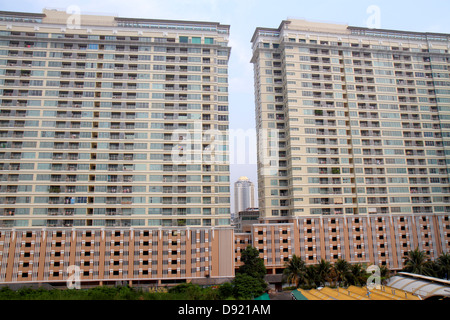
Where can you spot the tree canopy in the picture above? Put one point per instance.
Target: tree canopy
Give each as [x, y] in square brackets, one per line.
[249, 280]
[417, 261]
[343, 273]
[340, 273]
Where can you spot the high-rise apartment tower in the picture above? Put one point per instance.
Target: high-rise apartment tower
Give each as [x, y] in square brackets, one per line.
[109, 121]
[353, 132]
[359, 120]
[113, 150]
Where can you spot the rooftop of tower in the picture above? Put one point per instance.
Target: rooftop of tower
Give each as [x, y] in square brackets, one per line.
[55, 16]
[311, 26]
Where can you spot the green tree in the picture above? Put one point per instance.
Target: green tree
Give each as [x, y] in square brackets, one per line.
[323, 272]
[359, 275]
[443, 266]
[332, 277]
[295, 271]
[247, 286]
[312, 277]
[343, 272]
[249, 280]
[7, 294]
[190, 291]
[418, 262]
[253, 264]
[126, 293]
[385, 274]
[225, 290]
[109, 293]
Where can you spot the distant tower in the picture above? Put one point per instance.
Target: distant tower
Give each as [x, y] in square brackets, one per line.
[244, 194]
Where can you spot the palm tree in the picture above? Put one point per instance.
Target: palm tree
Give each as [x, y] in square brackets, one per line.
[385, 274]
[359, 274]
[332, 277]
[312, 278]
[343, 272]
[418, 262]
[323, 271]
[443, 265]
[295, 271]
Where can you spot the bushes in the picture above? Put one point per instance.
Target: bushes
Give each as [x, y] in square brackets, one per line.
[97, 293]
[225, 291]
[246, 286]
[248, 283]
[187, 291]
[113, 293]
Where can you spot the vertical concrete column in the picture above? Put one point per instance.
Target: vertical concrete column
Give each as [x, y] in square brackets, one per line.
[12, 253]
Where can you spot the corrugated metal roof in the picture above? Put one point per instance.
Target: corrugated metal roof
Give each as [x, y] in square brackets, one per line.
[298, 296]
[420, 285]
[264, 296]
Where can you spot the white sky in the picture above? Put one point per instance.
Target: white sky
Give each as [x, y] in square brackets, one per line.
[244, 16]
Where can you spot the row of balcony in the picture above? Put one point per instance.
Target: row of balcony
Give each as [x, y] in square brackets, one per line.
[110, 75]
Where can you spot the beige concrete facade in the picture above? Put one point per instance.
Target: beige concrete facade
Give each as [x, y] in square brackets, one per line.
[354, 121]
[165, 256]
[353, 132]
[113, 149]
[375, 239]
[113, 122]
[96, 121]
[152, 257]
